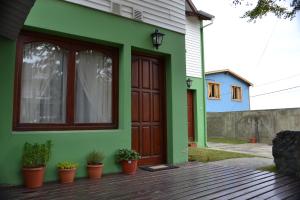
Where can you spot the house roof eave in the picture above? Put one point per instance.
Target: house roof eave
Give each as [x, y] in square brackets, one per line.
[13, 15]
[230, 72]
[199, 13]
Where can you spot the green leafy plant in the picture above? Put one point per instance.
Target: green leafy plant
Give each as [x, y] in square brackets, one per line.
[127, 154]
[261, 8]
[36, 155]
[67, 165]
[95, 158]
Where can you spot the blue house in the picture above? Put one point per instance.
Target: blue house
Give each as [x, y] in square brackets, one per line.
[226, 91]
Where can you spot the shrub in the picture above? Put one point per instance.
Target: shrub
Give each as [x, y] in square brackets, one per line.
[36, 155]
[127, 154]
[95, 158]
[67, 165]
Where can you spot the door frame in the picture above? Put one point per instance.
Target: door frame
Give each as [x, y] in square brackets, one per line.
[162, 62]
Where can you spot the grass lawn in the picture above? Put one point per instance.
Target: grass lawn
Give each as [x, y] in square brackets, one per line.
[271, 168]
[226, 140]
[209, 155]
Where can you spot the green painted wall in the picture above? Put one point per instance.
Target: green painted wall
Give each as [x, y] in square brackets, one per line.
[203, 83]
[66, 19]
[199, 110]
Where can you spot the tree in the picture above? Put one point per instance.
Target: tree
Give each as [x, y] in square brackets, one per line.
[263, 7]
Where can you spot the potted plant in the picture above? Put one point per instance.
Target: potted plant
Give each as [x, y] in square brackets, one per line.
[34, 160]
[252, 139]
[128, 159]
[94, 164]
[66, 171]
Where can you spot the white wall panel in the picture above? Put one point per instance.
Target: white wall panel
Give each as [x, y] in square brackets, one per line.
[169, 14]
[193, 47]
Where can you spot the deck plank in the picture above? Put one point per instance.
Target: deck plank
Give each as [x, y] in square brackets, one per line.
[292, 192]
[204, 187]
[190, 181]
[261, 189]
[272, 193]
[170, 187]
[294, 196]
[161, 180]
[229, 188]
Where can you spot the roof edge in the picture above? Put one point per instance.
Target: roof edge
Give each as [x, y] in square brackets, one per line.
[199, 13]
[231, 72]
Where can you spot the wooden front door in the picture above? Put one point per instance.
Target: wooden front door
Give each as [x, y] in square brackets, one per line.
[148, 109]
[190, 111]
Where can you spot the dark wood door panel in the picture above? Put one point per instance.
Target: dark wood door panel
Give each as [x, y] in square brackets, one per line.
[156, 80]
[135, 112]
[145, 144]
[146, 74]
[190, 115]
[135, 73]
[157, 137]
[146, 105]
[190, 111]
[156, 107]
[135, 137]
[148, 112]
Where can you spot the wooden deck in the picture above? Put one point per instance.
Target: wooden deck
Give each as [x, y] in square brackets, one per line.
[191, 181]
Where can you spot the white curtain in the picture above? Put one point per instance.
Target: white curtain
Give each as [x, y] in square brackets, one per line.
[93, 87]
[43, 85]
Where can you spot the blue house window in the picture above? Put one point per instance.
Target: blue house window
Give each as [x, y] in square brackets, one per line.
[214, 90]
[236, 93]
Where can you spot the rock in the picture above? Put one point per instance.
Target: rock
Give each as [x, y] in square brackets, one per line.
[286, 152]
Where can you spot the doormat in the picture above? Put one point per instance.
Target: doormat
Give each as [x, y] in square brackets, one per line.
[155, 168]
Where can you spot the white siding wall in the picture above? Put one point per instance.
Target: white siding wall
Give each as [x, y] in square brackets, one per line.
[193, 47]
[169, 14]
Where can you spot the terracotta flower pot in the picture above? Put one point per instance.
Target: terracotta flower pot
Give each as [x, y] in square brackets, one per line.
[252, 140]
[95, 171]
[33, 177]
[192, 144]
[66, 175]
[129, 166]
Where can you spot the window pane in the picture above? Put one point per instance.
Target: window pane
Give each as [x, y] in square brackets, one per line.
[233, 92]
[209, 90]
[236, 93]
[43, 84]
[93, 87]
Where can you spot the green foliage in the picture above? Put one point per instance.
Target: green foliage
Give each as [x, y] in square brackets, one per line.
[95, 158]
[36, 155]
[67, 165]
[263, 7]
[270, 168]
[226, 140]
[127, 154]
[210, 155]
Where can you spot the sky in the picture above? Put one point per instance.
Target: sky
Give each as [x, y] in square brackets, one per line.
[267, 53]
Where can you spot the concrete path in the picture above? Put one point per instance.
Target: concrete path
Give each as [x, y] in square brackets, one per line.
[263, 151]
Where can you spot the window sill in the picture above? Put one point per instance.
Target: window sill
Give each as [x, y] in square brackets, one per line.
[64, 127]
[211, 98]
[236, 100]
[74, 132]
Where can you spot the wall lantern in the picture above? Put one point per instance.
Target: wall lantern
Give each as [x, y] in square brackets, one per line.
[189, 82]
[157, 38]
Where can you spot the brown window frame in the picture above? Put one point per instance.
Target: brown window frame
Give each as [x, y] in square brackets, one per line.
[219, 90]
[233, 91]
[72, 46]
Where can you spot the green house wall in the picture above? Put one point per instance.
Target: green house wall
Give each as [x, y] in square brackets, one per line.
[70, 20]
[198, 89]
